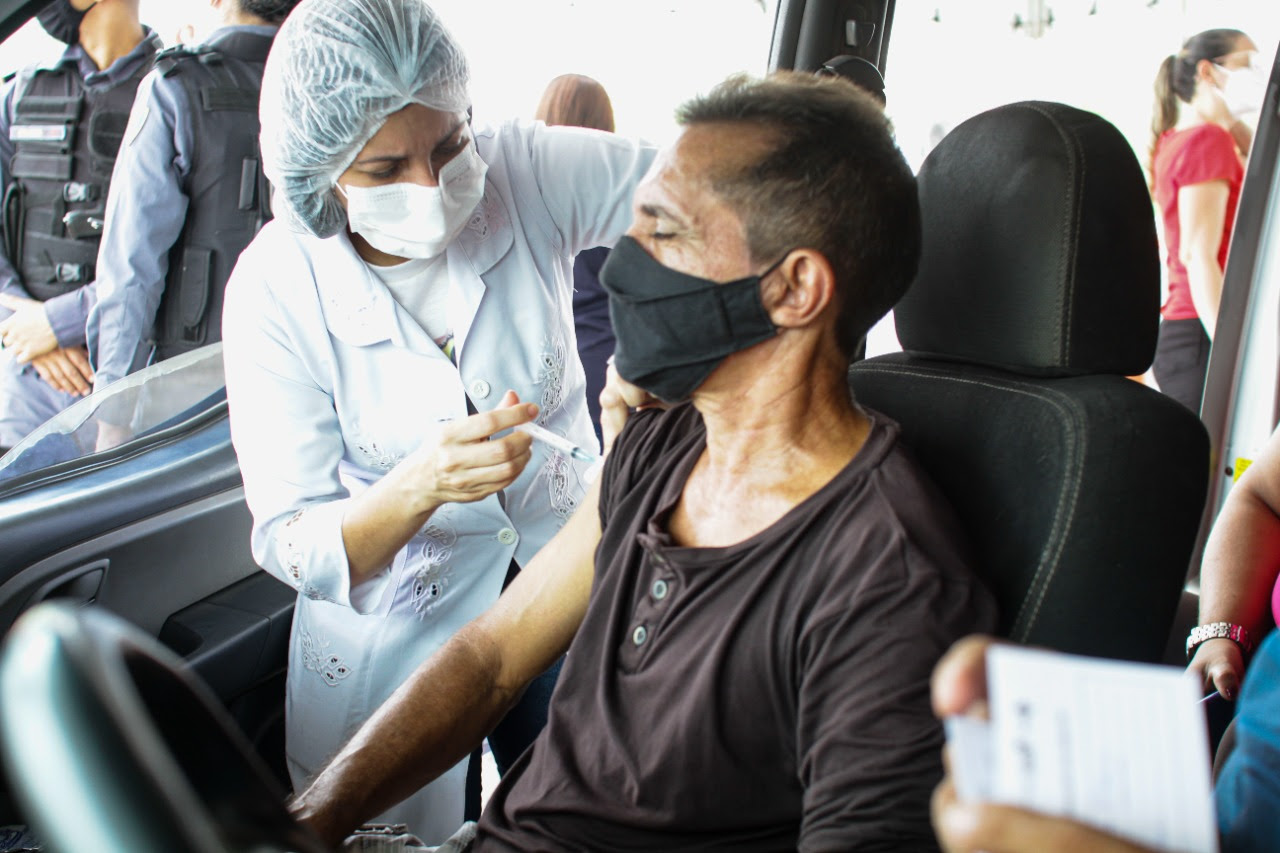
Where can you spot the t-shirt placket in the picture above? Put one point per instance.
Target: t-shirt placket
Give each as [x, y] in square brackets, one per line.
[654, 599]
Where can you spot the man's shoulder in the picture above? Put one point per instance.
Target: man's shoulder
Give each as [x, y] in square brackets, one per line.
[886, 509]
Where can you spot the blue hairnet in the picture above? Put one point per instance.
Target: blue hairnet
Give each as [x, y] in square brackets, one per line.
[337, 69]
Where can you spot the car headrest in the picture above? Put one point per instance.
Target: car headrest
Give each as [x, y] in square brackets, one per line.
[1039, 251]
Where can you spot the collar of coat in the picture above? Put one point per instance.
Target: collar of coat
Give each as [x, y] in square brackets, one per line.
[360, 310]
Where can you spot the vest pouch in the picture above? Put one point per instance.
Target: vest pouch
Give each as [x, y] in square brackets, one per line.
[193, 293]
[42, 167]
[106, 133]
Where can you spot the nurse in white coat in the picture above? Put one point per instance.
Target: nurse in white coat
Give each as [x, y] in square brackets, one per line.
[417, 273]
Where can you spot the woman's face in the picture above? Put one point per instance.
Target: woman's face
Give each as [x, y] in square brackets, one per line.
[1243, 54]
[411, 147]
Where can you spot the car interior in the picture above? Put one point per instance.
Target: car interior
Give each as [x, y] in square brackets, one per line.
[148, 651]
[1035, 299]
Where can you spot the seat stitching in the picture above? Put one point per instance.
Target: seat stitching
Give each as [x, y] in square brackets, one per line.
[1065, 508]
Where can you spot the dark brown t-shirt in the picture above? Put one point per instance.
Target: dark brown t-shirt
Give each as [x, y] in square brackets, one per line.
[771, 695]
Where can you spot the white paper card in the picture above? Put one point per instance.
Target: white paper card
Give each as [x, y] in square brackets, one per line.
[1120, 746]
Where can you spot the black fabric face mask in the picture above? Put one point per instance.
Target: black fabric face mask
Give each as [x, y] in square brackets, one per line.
[673, 329]
[61, 21]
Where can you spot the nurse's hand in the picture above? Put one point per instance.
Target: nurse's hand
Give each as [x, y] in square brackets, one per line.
[617, 399]
[466, 463]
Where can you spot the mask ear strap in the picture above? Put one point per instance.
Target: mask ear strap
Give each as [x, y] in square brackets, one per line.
[775, 264]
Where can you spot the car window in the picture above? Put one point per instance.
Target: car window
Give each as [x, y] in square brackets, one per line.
[1096, 55]
[145, 403]
[1099, 56]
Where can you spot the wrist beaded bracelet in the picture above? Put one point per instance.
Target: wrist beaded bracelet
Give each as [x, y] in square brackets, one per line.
[1215, 630]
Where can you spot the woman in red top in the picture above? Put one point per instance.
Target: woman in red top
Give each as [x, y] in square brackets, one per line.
[1198, 145]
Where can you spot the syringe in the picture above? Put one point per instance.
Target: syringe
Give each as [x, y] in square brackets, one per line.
[560, 443]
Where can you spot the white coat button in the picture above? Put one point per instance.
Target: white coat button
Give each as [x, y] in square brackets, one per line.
[639, 635]
[480, 389]
[507, 536]
[660, 589]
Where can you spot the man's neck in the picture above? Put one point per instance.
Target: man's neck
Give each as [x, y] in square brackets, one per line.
[770, 445]
[109, 32]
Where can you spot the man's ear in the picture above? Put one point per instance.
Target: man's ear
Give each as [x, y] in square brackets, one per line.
[801, 290]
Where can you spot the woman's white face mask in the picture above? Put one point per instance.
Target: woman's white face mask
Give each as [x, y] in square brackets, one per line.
[1244, 90]
[409, 220]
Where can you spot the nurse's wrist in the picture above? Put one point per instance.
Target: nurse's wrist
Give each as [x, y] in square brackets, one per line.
[407, 482]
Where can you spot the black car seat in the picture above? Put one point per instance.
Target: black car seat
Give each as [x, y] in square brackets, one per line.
[1037, 294]
[111, 746]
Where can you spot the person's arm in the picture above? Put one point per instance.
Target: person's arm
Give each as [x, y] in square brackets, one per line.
[1239, 569]
[587, 179]
[959, 687]
[309, 530]
[458, 695]
[466, 464]
[68, 314]
[868, 746]
[1202, 211]
[145, 211]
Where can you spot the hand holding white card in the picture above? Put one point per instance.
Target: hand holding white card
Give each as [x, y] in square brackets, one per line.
[1120, 746]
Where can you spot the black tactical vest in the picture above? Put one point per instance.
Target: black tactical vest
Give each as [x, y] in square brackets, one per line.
[65, 138]
[229, 198]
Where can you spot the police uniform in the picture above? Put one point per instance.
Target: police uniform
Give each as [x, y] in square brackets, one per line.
[190, 196]
[60, 128]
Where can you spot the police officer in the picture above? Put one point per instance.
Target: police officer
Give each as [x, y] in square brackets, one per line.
[60, 128]
[189, 197]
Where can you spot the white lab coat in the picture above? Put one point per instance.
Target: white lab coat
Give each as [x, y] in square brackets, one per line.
[331, 383]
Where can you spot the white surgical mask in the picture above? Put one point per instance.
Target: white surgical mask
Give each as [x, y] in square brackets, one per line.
[409, 220]
[1244, 90]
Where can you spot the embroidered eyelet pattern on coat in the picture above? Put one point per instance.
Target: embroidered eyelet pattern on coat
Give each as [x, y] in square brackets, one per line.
[560, 477]
[432, 579]
[317, 658]
[375, 455]
[551, 378]
[314, 593]
[479, 221]
[290, 550]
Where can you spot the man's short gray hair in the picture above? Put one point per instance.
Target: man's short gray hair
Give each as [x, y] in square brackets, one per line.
[834, 180]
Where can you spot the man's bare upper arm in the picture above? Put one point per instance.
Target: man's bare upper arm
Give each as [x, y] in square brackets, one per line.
[537, 616]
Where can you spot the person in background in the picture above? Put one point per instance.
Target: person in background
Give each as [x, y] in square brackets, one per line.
[1246, 794]
[1239, 592]
[572, 100]
[188, 196]
[410, 303]
[1196, 168]
[60, 128]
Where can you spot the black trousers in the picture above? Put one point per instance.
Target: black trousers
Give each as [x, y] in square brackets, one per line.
[1182, 358]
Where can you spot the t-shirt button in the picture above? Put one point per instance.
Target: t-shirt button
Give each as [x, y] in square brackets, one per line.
[480, 389]
[639, 635]
[660, 589]
[507, 536]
